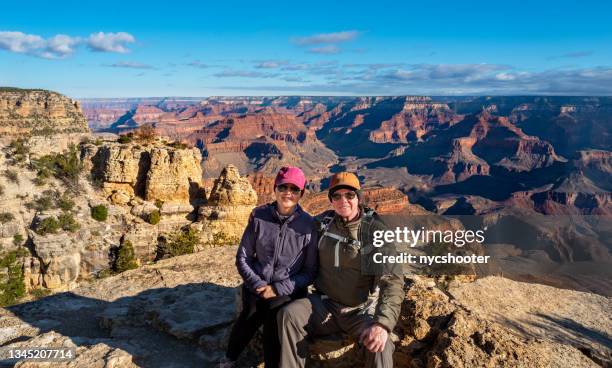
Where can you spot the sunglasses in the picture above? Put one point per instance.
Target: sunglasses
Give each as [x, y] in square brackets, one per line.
[347, 195]
[285, 188]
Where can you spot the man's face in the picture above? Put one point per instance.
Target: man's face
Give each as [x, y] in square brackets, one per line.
[287, 195]
[345, 203]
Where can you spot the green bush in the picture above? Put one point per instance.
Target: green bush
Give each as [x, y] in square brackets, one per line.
[12, 285]
[65, 203]
[65, 166]
[177, 145]
[39, 181]
[221, 239]
[107, 272]
[159, 203]
[49, 225]
[17, 239]
[125, 259]
[99, 212]
[179, 243]
[67, 222]
[12, 176]
[6, 217]
[125, 138]
[45, 132]
[43, 203]
[17, 151]
[154, 217]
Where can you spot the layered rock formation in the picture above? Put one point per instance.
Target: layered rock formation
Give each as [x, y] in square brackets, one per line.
[586, 189]
[418, 117]
[265, 140]
[146, 192]
[471, 147]
[227, 211]
[39, 112]
[153, 172]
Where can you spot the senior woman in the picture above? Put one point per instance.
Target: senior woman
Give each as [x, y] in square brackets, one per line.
[277, 259]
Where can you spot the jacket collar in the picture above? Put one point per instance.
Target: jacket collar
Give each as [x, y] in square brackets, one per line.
[272, 208]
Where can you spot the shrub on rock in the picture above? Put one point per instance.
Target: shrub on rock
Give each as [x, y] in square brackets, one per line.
[154, 217]
[125, 259]
[99, 212]
[12, 285]
[49, 225]
[179, 243]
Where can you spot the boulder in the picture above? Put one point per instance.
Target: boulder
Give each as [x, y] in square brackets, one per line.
[226, 214]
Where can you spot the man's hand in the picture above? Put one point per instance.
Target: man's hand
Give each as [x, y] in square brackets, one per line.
[374, 338]
[266, 292]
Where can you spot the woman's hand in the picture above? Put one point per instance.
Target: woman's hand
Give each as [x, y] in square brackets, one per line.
[266, 292]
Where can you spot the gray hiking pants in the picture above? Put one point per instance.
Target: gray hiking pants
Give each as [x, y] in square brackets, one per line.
[316, 316]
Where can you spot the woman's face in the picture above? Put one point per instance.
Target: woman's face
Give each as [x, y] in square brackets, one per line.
[345, 203]
[287, 195]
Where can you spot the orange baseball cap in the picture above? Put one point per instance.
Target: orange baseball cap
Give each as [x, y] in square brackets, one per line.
[343, 180]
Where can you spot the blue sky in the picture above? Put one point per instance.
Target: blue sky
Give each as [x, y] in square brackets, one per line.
[154, 48]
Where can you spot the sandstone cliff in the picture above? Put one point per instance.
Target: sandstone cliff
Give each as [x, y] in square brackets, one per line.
[39, 112]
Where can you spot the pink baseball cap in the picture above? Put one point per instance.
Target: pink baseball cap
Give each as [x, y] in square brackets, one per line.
[290, 175]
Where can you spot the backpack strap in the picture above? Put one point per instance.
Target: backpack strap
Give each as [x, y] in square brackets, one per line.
[324, 226]
[369, 215]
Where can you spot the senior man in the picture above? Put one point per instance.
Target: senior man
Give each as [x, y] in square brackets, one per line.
[352, 294]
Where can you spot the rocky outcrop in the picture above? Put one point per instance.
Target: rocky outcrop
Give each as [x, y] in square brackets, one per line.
[57, 264]
[173, 175]
[96, 354]
[39, 112]
[174, 313]
[227, 211]
[152, 172]
[179, 311]
[546, 313]
[437, 330]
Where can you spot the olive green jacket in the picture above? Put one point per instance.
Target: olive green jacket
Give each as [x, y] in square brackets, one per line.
[347, 273]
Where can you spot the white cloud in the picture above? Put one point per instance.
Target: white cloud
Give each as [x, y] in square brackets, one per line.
[198, 64]
[323, 38]
[505, 76]
[454, 79]
[61, 45]
[129, 64]
[243, 74]
[57, 47]
[20, 43]
[271, 64]
[110, 42]
[325, 50]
